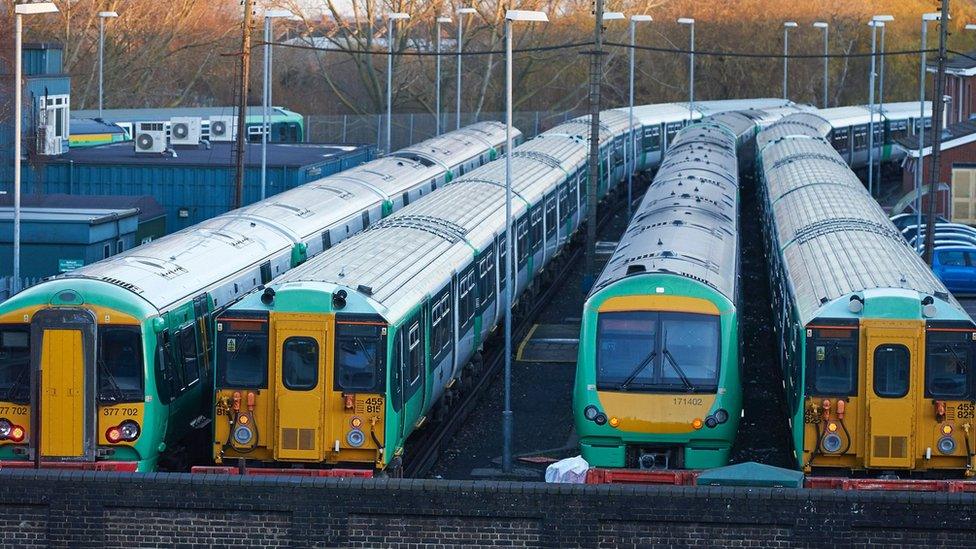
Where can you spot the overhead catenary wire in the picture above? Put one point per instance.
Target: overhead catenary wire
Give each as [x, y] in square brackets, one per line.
[578, 45]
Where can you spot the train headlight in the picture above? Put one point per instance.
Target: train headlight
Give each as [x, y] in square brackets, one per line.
[947, 445]
[590, 412]
[614, 422]
[831, 443]
[356, 422]
[129, 430]
[355, 438]
[243, 434]
[5, 428]
[832, 427]
[711, 422]
[721, 415]
[697, 423]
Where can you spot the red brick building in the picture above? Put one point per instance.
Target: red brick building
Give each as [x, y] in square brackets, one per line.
[960, 86]
[957, 169]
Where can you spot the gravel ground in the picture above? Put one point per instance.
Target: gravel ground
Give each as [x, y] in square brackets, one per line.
[542, 395]
[542, 392]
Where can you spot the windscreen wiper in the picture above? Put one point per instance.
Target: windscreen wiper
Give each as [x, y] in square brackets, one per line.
[9, 394]
[113, 385]
[677, 368]
[640, 367]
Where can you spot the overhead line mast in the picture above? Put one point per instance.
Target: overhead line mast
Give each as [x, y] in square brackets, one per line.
[937, 108]
[596, 73]
[239, 142]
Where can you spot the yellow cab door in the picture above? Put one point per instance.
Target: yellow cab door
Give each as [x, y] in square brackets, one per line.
[300, 355]
[63, 360]
[893, 366]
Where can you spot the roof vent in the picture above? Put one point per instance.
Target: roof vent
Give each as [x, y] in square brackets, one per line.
[635, 268]
[365, 290]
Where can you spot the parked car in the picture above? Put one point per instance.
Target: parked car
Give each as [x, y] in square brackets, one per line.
[956, 267]
[904, 220]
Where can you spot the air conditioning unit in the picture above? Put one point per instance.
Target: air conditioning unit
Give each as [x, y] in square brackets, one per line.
[150, 137]
[48, 142]
[223, 128]
[184, 130]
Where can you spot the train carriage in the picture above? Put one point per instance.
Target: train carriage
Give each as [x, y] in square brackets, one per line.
[657, 382]
[876, 354]
[402, 308]
[110, 366]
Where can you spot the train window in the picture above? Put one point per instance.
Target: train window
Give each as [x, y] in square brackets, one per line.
[860, 137]
[242, 353]
[169, 376]
[563, 193]
[504, 269]
[466, 301]
[833, 360]
[441, 323]
[652, 138]
[646, 350]
[15, 363]
[265, 272]
[486, 281]
[120, 366]
[574, 188]
[841, 139]
[396, 377]
[891, 371]
[188, 349]
[536, 224]
[300, 363]
[522, 240]
[406, 198]
[948, 364]
[365, 219]
[551, 220]
[415, 352]
[326, 240]
[359, 357]
[690, 350]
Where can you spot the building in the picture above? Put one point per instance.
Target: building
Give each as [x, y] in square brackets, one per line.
[957, 168]
[56, 240]
[152, 216]
[960, 86]
[191, 183]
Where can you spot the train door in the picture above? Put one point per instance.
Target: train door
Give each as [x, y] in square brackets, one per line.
[414, 373]
[892, 367]
[301, 380]
[63, 380]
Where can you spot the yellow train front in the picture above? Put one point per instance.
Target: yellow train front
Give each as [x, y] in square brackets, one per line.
[890, 395]
[299, 387]
[877, 356]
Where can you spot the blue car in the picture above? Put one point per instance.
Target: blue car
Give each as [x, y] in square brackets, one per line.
[956, 267]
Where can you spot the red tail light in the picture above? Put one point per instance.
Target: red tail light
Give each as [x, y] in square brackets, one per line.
[114, 435]
[17, 433]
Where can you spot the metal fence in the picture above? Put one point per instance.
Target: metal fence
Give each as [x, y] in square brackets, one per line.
[7, 285]
[410, 128]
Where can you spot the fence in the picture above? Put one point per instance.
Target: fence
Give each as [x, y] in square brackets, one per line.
[410, 128]
[7, 285]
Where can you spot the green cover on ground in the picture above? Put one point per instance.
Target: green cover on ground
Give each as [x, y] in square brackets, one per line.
[751, 474]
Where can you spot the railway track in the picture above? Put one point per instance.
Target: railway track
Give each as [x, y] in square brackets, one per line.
[423, 449]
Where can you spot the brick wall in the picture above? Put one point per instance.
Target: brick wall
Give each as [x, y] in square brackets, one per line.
[39, 508]
[963, 154]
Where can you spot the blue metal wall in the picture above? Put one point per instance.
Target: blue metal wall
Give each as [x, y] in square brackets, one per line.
[205, 191]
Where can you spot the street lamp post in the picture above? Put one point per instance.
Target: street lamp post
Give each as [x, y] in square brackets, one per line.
[510, 280]
[437, 46]
[876, 21]
[634, 19]
[19, 11]
[691, 67]
[825, 27]
[461, 13]
[389, 77]
[881, 75]
[926, 17]
[102, 16]
[786, 52]
[266, 93]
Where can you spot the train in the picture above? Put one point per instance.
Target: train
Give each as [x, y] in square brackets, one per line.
[657, 381]
[876, 354]
[339, 361]
[131, 355]
[110, 366]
